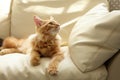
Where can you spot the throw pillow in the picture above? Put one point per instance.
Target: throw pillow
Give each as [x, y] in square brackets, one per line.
[95, 38]
[114, 5]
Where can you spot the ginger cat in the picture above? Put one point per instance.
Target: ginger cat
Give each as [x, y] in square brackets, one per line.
[44, 43]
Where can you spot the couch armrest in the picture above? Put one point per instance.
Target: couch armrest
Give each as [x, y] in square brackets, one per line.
[113, 66]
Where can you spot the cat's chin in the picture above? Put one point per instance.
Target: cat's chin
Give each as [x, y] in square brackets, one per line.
[54, 33]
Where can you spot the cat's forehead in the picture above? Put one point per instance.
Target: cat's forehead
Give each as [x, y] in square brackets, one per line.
[51, 21]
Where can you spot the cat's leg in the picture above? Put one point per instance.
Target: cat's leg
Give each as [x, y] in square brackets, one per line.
[35, 58]
[9, 51]
[52, 68]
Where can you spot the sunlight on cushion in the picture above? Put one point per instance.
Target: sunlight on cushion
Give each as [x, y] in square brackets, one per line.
[45, 9]
[76, 7]
[4, 6]
[4, 18]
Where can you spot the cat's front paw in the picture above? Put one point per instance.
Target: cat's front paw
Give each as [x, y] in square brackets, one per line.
[35, 61]
[52, 70]
[2, 52]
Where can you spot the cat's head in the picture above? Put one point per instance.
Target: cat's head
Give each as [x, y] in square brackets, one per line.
[46, 27]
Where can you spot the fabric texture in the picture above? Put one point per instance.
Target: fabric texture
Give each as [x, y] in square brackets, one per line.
[23, 11]
[17, 67]
[114, 5]
[5, 18]
[95, 38]
[113, 67]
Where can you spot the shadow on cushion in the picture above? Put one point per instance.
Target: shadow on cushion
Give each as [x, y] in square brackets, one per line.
[1, 40]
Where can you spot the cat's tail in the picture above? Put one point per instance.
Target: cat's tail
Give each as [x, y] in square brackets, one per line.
[1, 48]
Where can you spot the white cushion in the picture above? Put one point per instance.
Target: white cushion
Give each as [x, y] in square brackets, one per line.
[5, 18]
[16, 66]
[65, 12]
[95, 38]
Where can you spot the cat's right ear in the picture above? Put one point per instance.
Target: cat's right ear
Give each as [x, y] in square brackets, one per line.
[51, 18]
[37, 21]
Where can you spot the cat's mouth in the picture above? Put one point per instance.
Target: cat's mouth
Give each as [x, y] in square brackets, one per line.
[54, 31]
[58, 28]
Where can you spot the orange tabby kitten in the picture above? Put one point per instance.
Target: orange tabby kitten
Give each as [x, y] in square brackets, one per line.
[44, 43]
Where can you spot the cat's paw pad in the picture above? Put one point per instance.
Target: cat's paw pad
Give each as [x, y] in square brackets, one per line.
[52, 70]
[35, 61]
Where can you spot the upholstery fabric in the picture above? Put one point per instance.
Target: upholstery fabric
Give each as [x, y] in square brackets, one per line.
[114, 5]
[5, 18]
[95, 38]
[113, 67]
[17, 67]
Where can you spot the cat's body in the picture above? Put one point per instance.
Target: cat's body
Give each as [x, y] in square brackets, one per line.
[44, 43]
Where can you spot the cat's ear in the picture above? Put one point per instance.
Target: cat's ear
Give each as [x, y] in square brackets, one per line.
[37, 21]
[51, 18]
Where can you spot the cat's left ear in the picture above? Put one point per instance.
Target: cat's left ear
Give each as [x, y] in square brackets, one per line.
[51, 18]
[37, 20]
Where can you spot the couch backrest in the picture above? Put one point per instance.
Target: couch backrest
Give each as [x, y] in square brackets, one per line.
[5, 18]
[66, 12]
[19, 22]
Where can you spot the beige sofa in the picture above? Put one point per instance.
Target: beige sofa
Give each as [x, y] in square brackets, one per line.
[16, 19]
[113, 67]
